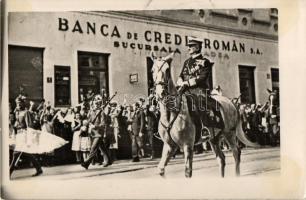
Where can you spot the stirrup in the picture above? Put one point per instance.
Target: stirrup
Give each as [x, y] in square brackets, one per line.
[204, 136]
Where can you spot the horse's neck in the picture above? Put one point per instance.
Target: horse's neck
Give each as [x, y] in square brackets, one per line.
[184, 107]
[167, 113]
[164, 113]
[178, 103]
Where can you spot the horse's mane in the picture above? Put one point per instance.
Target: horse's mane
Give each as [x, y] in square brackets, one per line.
[171, 85]
[174, 98]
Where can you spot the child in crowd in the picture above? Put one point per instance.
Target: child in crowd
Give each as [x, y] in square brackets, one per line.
[85, 139]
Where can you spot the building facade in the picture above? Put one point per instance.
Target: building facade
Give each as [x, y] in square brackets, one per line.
[58, 56]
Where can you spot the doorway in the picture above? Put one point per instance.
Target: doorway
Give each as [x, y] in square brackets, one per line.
[25, 72]
[247, 85]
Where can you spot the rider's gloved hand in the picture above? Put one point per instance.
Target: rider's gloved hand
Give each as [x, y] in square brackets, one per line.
[179, 82]
[185, 84]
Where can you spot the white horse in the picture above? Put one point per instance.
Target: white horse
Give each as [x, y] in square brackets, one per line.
[177, 129]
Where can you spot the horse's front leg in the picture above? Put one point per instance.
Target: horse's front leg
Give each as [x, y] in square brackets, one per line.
[188, 152]
[167, 153]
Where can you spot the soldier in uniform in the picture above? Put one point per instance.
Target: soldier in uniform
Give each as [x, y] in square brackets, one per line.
[97, 127]
[194, 81]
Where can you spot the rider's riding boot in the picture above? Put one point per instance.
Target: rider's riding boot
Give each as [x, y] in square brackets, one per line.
[205, 135]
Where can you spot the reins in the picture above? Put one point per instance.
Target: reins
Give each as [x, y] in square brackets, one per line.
[160, 82]
[170, 125]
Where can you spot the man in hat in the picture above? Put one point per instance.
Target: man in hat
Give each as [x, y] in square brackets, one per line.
[194, 81]
[138, 129]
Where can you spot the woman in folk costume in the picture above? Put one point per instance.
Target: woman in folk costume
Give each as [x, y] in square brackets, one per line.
[76, 139]
[29, 141]
[115, 115]
[85, 140]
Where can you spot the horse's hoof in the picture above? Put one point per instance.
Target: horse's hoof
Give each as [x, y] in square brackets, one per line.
[188, 173]
[161, 172]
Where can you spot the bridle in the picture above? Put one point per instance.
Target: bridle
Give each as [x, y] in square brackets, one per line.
[162, 83]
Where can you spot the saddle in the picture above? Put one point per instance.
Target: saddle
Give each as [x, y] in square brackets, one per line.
[205, 112]
[206, 108]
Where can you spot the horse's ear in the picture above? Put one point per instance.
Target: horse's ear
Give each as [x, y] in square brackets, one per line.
[169, 57]
[152, 56]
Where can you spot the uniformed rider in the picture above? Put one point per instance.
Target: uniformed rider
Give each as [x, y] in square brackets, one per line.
[194, 81]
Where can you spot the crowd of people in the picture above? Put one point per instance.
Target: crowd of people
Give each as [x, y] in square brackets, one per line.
[134, 125]
[258, 124]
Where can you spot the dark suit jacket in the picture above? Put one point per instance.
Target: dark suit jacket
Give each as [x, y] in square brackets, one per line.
[138, 124]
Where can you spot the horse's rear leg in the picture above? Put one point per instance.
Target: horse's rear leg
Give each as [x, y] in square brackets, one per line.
[167, 153]
[231, 139]
[188, 157]
[219, 154]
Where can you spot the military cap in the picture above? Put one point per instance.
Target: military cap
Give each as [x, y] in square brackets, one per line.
[193, 40]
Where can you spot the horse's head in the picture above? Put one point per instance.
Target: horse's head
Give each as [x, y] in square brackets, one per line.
[161, 74]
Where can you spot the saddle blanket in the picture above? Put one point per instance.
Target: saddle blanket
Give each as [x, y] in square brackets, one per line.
[228, 111]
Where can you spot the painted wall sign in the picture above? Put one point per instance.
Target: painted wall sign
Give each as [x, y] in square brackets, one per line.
[151, 40]
[49, 79]
[133, 78]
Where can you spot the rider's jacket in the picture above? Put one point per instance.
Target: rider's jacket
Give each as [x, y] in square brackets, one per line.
[196, 71]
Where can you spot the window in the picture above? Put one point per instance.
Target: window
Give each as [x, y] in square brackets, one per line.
[26, 72]
[275, 79]
[93, 72]
[62, 85]
[246, 82]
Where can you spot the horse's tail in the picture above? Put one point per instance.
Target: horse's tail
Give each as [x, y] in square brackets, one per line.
[232, 120]
[241, 135]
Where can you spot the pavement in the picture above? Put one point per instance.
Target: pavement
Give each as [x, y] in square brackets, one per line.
[259, 161]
